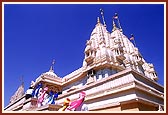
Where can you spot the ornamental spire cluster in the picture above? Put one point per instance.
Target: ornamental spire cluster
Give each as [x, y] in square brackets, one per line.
[115, 50]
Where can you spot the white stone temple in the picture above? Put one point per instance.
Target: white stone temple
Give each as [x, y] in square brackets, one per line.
[114, 76]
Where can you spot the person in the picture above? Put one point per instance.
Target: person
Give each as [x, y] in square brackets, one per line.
[65, 105]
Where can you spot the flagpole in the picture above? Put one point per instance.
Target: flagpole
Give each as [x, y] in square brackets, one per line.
[102, 14]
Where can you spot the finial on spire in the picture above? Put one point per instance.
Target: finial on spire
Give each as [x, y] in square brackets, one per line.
[98, 20]
[102, 13]
[52, 66]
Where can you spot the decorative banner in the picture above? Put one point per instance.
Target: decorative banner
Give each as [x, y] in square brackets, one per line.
[41, 96]
[36, 90]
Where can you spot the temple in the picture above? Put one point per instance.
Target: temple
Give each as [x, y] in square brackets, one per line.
[114, 77]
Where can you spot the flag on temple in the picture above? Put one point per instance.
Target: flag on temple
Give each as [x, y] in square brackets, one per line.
[101, 10]
[132, 37]
[115, 16]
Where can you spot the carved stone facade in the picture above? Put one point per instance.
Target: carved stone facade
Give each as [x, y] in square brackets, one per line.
[114, 76]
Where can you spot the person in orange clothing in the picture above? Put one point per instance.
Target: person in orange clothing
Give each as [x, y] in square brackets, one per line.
[65, 105]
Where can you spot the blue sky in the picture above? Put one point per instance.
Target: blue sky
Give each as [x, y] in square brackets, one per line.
[36, 34]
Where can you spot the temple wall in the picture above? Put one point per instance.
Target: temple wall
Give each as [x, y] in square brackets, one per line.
[103, 73]
[104, 101]
[98, 90]
[76, 84]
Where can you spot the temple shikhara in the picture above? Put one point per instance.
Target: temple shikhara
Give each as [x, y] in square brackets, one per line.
[114, 77]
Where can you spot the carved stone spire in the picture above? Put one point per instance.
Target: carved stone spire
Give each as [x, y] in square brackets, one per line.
[114, 26]
[115, 48]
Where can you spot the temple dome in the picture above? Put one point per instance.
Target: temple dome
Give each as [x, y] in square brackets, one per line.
[50, 73]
